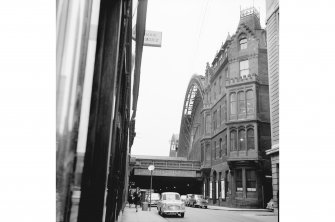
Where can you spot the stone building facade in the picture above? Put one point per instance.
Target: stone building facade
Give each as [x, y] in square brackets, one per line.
[272, 27]
[226, 119]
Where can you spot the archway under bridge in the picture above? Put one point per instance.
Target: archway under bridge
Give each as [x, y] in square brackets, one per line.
[171, 174]
[182, 185]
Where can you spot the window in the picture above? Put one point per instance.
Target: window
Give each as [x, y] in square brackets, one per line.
[220, 154]
[202, 153]
[241, 139]
[214, 91]
[225, 146]
[219, 117]
[208, 152]
[208, 124]
[220, 85]
[214, 153]
[238, 180]
[171, 196]
[225, 110]
[250, 139]
[251, 180]
[250, 103]
[243, 43]
[244, 68]
[214, 120]
[233, 106]
[241, 105]
[233, 140]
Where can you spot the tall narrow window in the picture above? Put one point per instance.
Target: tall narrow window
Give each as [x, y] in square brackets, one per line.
[208, 124]
[225, 149]
[243, 43]
[241, 139]
[219, 117]
[208, 152]
[202, 153]
[241, 105]
[214, 153]
[233, 106]
[214, 91]
[250, 139]
[250, 103]
[214, 120]
[220, 154]
[244, 68]
[225, 110]
[251, 180]
[238, 180]
[233, 140]
[220, 85]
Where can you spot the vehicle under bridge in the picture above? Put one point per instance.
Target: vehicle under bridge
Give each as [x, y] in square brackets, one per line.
[171, 174]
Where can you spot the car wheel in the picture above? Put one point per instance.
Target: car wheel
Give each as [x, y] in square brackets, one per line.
[205, 207]
[182, 214]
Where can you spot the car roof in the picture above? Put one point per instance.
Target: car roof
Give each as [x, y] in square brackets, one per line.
[170, 193]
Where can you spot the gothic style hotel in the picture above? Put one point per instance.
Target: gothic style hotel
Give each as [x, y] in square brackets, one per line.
[226, 119]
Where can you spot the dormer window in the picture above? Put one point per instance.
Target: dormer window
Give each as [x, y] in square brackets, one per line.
[243, 43]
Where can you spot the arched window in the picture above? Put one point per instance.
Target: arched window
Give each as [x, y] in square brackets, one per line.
[243, 43]
[233, 139]
[241, 105]
[250, 139]
[241, 139]
[233, 106]
[250, 103]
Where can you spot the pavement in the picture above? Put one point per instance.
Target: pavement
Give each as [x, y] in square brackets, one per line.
[236, 209]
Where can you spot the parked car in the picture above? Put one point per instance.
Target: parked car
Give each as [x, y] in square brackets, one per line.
[155, 197]
[183, 198]
[197, 200]
[187, 201]
[170, 203]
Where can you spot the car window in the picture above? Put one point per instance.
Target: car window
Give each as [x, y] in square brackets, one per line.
[171, 196]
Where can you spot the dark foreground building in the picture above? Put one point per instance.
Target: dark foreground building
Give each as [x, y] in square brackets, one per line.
[226, 119]
[96, 105]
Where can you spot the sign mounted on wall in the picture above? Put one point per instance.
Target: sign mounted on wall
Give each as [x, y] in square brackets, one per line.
[151, 38]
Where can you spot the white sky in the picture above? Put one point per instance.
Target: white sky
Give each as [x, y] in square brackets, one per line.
[193, 30]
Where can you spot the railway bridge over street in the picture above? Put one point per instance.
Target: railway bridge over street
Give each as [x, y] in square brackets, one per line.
[174, 174]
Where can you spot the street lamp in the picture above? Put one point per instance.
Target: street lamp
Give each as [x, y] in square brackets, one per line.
[150, 168]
